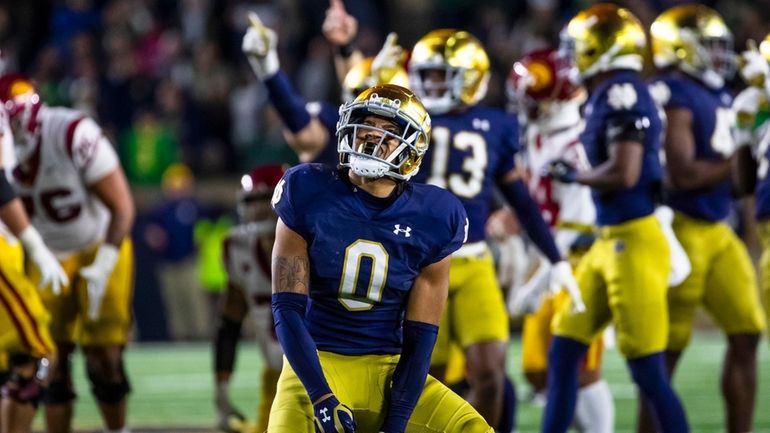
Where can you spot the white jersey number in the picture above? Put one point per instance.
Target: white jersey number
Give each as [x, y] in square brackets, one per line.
[470, 182]
[354, 254]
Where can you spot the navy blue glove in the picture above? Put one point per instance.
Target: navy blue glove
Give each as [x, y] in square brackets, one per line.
[560, 171]
[331, 416]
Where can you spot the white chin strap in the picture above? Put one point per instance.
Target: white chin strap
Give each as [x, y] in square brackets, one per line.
[368, 167]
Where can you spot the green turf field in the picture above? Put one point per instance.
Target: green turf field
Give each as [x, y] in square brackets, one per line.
[172, 388]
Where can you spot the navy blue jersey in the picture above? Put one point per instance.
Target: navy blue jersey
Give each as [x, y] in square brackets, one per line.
[468, 152]
[762, 191]
[328, 114]
[623, 98]
[363, 262]
[711, 122]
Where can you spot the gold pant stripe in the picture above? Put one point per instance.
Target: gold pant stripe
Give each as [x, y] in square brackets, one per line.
[33, 341]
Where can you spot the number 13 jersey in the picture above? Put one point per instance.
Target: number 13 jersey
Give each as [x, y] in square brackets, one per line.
[70, 155]
[470, 151]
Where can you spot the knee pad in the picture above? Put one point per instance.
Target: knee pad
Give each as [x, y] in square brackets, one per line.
[59, 392]
[108, 392]
[21, 389]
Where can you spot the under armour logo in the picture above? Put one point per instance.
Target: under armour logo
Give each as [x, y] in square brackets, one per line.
[325, 418]
[407, 231]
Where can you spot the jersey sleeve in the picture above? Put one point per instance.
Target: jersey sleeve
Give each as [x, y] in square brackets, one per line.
[283, 201]
[91, 152]
[670, 93]
[457, 231]
[510, 144]
[629, 111]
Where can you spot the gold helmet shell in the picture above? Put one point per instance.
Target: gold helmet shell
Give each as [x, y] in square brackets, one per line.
[362, 76]
[602, 38]
[764, 47]
[695, 39]
[404, 109]
[465, 64]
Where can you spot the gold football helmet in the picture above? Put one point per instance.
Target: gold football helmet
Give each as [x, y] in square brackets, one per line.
[602, 38]
[363, 147]
[461, 66]
[764, 47]
[362, 77]
[695, 39]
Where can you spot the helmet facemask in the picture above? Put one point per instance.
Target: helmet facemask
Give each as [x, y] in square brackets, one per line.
[22, 118]
[441, 95]
[718, 59]
[375, 149]
[566, 64]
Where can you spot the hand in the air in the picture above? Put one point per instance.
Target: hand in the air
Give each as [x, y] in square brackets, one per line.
[560, 171]
[260, 46]
[391, 54]
[331, 416]
[339, 27]
[754, 67]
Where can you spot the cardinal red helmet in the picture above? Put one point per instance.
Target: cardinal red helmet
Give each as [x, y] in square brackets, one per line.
[256, 190]
[21, 101]
[536, 79]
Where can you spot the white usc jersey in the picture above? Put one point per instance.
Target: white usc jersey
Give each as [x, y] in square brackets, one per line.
[53, 180]
[564, 206]
[7, 161]
[247, 262]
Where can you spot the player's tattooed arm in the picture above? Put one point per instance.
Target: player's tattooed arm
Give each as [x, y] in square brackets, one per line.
[291, 274]
[291, 266]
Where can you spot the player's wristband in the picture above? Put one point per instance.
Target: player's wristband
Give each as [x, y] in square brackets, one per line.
[410, 374]
[345, 51]
[290, 106]
[297, 344]
[530, 218]
[6, 190]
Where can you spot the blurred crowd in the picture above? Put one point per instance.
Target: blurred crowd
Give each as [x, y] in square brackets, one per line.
[169, 83]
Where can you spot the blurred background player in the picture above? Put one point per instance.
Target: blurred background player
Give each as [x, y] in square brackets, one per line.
[24, 335]
[472, 151]
[310, 127]
[548, 105]
[692, 47]
[76, 194]
[624, 276]
[383, 298]
[752, 140]
[247, 251]
[170, 233]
